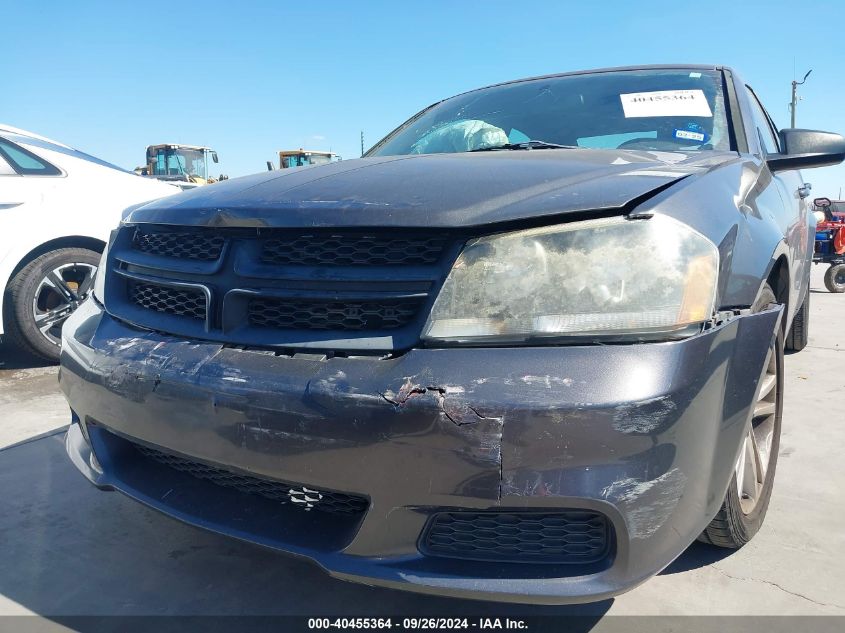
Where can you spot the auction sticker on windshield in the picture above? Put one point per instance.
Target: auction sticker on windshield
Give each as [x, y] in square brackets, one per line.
[665, 103]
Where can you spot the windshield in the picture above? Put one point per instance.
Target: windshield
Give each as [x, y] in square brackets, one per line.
[302, 159]
[190, 162]
[665, 110]
[320, 159]
[294, 160]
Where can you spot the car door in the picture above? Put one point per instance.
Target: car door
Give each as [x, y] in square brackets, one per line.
[794, 193]
[27, 183]
[17, 200]
[14, 191]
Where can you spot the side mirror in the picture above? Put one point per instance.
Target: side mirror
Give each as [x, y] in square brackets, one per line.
[822, 203]
[804, 149]
[214, 157]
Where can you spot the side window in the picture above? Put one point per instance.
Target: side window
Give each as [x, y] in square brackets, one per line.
[761, 120]
[25, 162]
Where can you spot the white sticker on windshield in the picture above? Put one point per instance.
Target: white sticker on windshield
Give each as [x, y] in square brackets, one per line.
[665, 103]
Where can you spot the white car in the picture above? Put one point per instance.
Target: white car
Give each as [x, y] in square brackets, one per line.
[57, 208]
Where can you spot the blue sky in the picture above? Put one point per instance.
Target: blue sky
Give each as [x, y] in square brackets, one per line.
[250, 78]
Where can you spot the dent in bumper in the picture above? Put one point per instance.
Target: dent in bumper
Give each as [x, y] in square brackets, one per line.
[646, 434]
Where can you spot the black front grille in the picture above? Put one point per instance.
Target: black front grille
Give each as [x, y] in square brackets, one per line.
[353, 250]
[176, 301]
[564, 536]
[341, 290]
[283, 492]
[297, 314]
[179, 245]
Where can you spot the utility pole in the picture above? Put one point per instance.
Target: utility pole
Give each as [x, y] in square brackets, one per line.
[362, 142]
[792, 105]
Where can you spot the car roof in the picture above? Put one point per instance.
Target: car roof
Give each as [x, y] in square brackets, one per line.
[20, 132]
[31, 140]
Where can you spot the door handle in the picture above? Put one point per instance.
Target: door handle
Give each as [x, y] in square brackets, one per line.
[804, 190]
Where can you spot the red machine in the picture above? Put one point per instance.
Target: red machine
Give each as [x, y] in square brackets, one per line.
[830, 242]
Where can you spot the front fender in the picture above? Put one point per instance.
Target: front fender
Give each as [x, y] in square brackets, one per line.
[736, 206]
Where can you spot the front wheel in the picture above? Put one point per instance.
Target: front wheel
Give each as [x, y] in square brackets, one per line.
[834, 278]
[43, 294]
[750, 490]
[799, 333]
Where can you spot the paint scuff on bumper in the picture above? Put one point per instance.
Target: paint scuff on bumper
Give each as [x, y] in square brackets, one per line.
[429, 432]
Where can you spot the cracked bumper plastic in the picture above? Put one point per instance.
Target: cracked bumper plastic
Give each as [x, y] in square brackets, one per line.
[646, 434]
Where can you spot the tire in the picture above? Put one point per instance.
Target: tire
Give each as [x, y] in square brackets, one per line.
[834, 278]
[799, 333]
[740, 517]
[35, 306]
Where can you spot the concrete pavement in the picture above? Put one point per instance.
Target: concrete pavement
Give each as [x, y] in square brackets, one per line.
[67, 548]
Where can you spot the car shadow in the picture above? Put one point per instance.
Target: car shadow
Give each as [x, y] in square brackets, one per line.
[13, 358]
[697, 555]
[71, 550]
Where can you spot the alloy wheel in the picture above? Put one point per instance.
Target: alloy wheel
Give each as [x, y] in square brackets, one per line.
[756, 453]
[58, 294]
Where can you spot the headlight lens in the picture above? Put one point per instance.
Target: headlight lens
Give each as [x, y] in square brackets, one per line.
[596, 278]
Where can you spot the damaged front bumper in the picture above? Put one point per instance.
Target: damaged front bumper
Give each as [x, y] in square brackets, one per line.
[644, 435]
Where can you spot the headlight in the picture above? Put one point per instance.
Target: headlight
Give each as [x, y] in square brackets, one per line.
[596, 278]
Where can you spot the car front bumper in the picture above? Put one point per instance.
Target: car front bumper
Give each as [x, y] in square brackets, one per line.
[646, 434]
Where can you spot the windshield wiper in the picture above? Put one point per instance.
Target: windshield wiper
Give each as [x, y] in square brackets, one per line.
[525, 145]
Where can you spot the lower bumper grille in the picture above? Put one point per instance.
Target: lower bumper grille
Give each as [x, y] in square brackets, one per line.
[565, 536]
[283, 492]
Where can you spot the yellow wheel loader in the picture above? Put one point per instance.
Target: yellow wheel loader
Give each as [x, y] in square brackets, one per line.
[184, 165]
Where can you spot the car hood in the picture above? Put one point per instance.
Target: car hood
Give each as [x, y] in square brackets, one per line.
[434, 190]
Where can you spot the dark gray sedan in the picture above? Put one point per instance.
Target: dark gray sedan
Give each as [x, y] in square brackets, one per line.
[528, 348]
